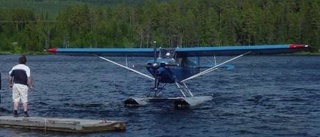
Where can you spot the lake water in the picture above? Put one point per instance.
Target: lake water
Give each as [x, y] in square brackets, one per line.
[265, 96]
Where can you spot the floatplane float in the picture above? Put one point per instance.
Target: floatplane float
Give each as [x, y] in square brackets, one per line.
[177, 66]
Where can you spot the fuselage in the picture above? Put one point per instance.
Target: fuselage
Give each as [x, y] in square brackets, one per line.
[171, 70]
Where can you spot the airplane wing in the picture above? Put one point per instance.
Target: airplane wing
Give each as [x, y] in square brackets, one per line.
[185, 52]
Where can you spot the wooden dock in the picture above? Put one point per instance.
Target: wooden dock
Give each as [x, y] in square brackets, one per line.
[62, 124]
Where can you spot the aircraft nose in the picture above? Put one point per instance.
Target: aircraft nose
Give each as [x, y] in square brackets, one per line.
[161, 70]
[155, 65]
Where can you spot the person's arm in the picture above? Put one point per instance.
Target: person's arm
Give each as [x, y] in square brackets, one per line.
[10, 81]
[30, 82]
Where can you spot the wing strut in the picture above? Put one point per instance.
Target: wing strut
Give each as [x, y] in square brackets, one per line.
[186, 92]
[126, 68]
[214, 68]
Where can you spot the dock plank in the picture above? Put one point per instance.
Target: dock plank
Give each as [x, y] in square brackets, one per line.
[62, 124]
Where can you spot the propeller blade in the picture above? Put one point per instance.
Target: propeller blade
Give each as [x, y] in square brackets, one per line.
[156, 79]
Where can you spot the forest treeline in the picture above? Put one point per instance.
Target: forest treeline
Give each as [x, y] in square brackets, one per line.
[182, 23]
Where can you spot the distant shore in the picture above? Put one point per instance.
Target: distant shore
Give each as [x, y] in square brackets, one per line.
[307, 54]
[27, 53]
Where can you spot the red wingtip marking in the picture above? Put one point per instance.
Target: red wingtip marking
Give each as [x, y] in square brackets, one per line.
[295, 46]
[53, 50]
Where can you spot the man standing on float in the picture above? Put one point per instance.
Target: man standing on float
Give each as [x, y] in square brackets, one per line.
[20, 82]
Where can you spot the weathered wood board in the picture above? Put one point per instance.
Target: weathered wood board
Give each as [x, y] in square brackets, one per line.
[62, 124]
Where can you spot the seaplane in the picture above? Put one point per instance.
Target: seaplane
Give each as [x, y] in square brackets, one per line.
[176, 66]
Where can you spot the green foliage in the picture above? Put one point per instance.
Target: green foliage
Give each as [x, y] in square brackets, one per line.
[35, 25]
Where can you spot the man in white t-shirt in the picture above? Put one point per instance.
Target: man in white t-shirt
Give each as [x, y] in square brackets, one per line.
[20, 82]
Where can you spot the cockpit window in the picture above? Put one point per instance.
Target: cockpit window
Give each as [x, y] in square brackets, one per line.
[167, 53]
[188, 61]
